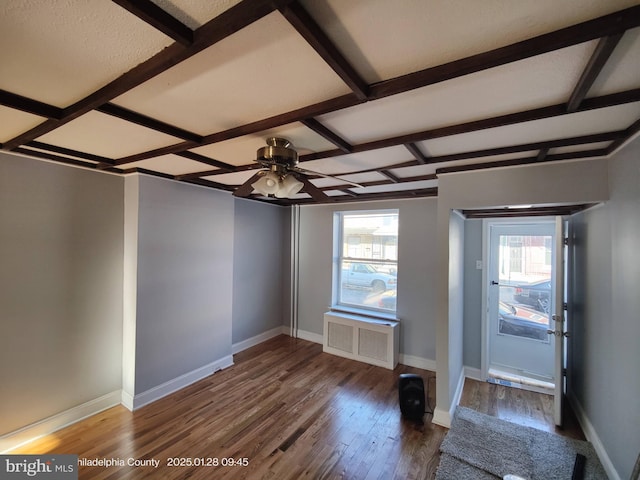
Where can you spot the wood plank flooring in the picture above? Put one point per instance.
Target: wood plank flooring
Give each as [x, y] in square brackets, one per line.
[292, 412]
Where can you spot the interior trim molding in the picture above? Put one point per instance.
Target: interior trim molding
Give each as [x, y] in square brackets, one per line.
[592, 435]
[178, 383]
[258, 339]
[52, 424]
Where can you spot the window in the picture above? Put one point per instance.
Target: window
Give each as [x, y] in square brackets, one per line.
[366, 245]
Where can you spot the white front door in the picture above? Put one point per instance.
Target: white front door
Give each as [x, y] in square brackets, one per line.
[522, 299]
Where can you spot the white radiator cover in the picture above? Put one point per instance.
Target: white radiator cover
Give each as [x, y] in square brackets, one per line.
[361, 338]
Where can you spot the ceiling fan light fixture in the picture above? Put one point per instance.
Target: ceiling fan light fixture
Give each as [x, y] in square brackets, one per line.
[268, 184]
[289, 186]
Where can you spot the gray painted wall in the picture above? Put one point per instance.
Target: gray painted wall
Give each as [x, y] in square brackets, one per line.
[61, 248]
[606, 325]
[417, 277]
[260, 273]
[184, 279]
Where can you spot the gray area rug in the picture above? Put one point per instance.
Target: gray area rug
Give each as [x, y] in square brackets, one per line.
[482, 447]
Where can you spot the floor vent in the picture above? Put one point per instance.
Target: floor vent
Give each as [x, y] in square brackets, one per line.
[362, 338]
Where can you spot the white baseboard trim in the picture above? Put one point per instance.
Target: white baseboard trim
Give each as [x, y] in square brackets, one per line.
[178, 383]
[258, 339]
[49, 425]
[417, 362]
[592, 436]
[311, 337]
[441, 417]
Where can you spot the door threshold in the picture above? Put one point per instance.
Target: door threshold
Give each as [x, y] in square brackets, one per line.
[498, 377]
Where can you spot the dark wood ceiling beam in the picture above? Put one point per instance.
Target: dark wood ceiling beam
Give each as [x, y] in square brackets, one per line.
[488, 152]
[145, 121]
[504, 120]
[327, 134]
[225, 167]
[525, 147]
[349, 192]
[607, 25]
[146, 171]
[56, 158]
[306, 26]
[421, 192]
[225, 24]
[24, 104]
[149, 12]
[261, 125]
[601, 152]
[417, 153]
[628, 134]
[317, 194]
[525, 212]
[292, 116]
[71, 152]
[603, 51]
[155, 153]
[604, 101]
[208, 183]
[389, 175]
[542, 154]
[246, 188]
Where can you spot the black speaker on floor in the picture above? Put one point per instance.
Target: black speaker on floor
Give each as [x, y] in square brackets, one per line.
[412, 400]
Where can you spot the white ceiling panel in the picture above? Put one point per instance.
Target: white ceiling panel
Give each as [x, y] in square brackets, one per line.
[622, 70]
[354, 162]
[14, 122]
[195, 13]
[242, 150]
[107, 136]
[535, 82]
[386, 39]
[170, 164]
[58, 52]
[245, 77]
[564, 126]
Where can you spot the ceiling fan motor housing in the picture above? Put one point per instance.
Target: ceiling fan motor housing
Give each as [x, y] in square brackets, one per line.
[278, 151]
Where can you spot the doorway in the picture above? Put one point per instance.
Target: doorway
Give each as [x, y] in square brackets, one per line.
[520, 301]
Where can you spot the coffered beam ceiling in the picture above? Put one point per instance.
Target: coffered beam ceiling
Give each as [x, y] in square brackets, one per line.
[608, 30]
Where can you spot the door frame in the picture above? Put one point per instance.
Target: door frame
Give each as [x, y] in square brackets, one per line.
[486, 245]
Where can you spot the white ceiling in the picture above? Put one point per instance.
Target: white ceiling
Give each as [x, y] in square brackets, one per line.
[96, 84]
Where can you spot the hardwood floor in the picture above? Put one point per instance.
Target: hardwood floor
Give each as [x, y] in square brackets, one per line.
[292, 412]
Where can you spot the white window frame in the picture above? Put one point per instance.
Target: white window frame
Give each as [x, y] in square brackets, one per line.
[339, 256]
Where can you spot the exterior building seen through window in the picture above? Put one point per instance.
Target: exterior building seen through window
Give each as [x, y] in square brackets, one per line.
[367, 260]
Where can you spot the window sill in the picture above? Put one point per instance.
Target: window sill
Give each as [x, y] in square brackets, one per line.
[365, 313]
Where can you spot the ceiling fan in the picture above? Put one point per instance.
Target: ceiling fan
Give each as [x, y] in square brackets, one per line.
[281, 177]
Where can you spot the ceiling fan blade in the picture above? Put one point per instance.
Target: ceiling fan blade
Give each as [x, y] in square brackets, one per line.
[317, 194]
[311, 172]
[246, 188]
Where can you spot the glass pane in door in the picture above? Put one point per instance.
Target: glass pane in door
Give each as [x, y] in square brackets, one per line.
[524, 270]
